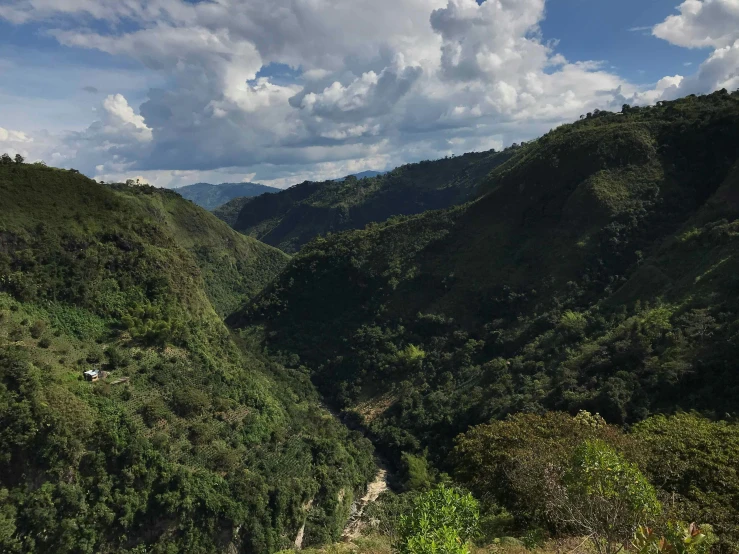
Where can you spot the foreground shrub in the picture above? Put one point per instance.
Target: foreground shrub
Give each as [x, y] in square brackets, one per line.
[441, 521]
[602, 496]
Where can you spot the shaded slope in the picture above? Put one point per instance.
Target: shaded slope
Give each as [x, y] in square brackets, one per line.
[595, 272]
[211, 196]
[294, 216]
[190, 441]
[229, 212]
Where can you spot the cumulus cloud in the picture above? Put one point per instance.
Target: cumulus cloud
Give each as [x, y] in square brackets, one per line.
[380, 82]
[10, 136]
[368, 95]
[494, 40]
[701, 24]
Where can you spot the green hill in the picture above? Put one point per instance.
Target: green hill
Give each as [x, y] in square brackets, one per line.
[229, 212]
[596, 271]
[211, 196]
[190, 440]
[293, 217]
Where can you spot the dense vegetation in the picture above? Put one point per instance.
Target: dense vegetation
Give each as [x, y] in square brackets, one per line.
[229, 212]
[541, 481]
[190, 440]
[596, 271]
[211, 196]
[549, 358]
[293, 217]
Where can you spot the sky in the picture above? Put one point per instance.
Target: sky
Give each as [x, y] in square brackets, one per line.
[175, 92]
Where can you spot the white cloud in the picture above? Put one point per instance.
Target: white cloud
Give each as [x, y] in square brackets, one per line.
[10, 136]
[702, 23]
[381, 82]
[120, 116]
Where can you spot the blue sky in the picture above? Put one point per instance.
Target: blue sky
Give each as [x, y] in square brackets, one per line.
[619, 33]
[279, 91]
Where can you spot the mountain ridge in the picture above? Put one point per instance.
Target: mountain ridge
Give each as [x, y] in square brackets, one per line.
[294, 216]
[211, 196]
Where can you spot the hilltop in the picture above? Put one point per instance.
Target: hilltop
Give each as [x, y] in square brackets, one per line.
[211, 197]
[291, 218]
[185, 435]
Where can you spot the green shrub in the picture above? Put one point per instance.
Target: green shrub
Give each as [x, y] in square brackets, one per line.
[505, 463]
[37, 329]
[441, 521]
[94, 355]
[419, 475]
[693, 459]
[602, 496]
[678, 538]
[117, 357]
[154, 411]
[189, 402]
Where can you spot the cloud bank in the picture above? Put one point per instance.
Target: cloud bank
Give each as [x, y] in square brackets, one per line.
[377, 82]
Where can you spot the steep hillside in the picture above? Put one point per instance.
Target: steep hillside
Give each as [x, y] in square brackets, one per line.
[229, 212]
[211, 196]
[292, 217]
[188, 439]
[597, 271]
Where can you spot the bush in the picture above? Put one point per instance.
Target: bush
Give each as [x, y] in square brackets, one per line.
[505, 462]
[694, 461]
[117, 357]
[679, 538]
[95, 355]
[441, 521]
[419, 476]
[44, 342]
[189, 401]
[37, 329]
[154, 411]
[601, 495]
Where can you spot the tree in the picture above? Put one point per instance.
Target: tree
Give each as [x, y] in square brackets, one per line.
[694, 461]
[419, 476]
[441, 521]
[699, 324]
[601, 495]
[19, 159]
[6, 159]
[506, 463]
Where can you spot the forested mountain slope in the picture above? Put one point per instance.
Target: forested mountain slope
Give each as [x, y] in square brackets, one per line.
[597, 271]
[292, 217]
[229, 212]
[211, 196]
[188, 440]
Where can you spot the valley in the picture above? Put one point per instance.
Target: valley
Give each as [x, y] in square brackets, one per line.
[511, 333]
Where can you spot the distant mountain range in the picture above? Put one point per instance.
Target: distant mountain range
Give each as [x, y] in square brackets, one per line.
[211, 196]
[294, 216]
[362, 175]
